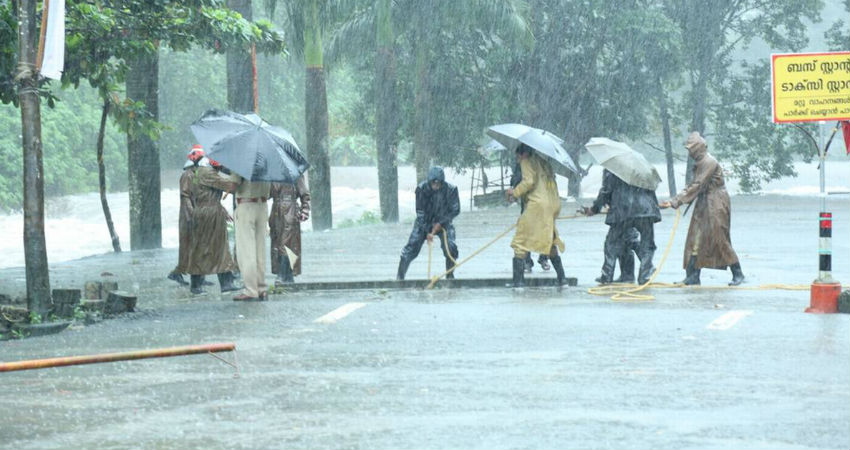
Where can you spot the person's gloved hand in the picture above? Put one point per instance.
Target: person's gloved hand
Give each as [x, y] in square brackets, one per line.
[303, 216]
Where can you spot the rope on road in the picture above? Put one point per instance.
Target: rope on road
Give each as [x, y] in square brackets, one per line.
[458, 264]
[629, 293]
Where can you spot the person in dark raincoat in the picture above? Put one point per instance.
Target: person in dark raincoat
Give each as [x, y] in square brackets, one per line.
[542, 259]
[629, 207]
[437, 204]
[536, 230]
[185, 216]
[709, 242]
[209, 251]
[290, 207]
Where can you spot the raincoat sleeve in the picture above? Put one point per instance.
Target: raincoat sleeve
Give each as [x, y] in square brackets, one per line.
[187, 206]
[214, 179]
[702, 175]
[604, 196]
[516, 176]
[528, 178]
[453, 207]
[303, 194]
[421, 204]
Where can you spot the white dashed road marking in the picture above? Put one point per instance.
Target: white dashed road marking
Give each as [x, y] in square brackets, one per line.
[728, 320]
[340, 312]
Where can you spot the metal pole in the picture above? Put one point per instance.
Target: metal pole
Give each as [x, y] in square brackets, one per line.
[111, 357]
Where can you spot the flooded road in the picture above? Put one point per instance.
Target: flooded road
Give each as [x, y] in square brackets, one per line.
[475, 368]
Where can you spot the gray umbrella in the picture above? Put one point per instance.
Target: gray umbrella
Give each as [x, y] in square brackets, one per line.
[511, 135]
[629, 165]
[249, 146]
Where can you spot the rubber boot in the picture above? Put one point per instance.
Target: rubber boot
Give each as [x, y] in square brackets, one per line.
[519, 272]
[529, 263]
[402, 268]
[449, 265]
[646, 267]
[559, 269]
[543, 260]
[284, 271]
[225, 281]
[692, 278]
[607, 275]
[196, 284]
[178, 277]
[737, 274]
[627, 267]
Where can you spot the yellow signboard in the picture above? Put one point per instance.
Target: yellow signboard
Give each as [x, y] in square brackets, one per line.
[809, 87]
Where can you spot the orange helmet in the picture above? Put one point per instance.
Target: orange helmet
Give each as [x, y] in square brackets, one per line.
[196, 154]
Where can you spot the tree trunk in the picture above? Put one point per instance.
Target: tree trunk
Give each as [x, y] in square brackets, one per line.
[240, 76]
[143, 158]
[700, 93]
[35, 249]
[423, 153]
[101, 172]
[668, 146]
[316, 112]
[386, 115]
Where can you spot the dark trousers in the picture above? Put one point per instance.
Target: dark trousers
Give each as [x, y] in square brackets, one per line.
[618, 241]
[417, 238]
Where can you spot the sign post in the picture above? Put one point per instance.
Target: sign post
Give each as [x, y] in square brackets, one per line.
[814, 87]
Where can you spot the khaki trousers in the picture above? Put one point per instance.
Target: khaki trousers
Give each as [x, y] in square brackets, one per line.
[251, 225]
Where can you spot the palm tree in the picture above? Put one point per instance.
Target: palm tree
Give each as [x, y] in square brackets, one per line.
[307, 22]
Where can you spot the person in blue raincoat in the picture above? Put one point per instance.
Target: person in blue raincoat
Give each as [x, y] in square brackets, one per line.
[437, 204]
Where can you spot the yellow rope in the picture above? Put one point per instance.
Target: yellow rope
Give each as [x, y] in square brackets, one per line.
[458, 264]
[446, 245]
[430, 250]
[630, 293]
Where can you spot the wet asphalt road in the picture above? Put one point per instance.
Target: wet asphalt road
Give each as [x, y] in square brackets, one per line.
[486, 368]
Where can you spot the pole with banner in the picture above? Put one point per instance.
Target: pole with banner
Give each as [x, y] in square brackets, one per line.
[814, 87]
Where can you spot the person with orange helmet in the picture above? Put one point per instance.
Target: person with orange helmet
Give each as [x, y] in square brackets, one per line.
[209, 250]
[194, 158]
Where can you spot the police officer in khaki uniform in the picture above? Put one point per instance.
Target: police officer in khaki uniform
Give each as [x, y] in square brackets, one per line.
[251, 220]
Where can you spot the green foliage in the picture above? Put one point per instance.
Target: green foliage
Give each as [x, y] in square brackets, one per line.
[79, 313]
[368, 218]
[35, 318]
[69, 133]
[757, 149]
[355, 150]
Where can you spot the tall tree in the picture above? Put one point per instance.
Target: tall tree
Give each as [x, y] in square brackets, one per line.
[308, 20]
[35, 249]
[143, 157]
[589, 75]
[713, 30]
[386, 113]
[119, 42]
[240, 67]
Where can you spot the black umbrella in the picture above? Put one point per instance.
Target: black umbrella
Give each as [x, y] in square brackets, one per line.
[249, 146]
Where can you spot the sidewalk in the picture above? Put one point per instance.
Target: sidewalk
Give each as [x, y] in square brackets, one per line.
[776, 238]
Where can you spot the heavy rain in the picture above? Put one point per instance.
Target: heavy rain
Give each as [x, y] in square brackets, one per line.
[424, 224]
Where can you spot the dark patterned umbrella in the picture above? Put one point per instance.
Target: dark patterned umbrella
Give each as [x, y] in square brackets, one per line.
[249, 146]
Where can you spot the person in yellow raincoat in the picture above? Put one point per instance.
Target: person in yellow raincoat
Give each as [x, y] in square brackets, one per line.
[536, 231]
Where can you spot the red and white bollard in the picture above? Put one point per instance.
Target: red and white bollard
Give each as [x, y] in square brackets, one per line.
[825, 290]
